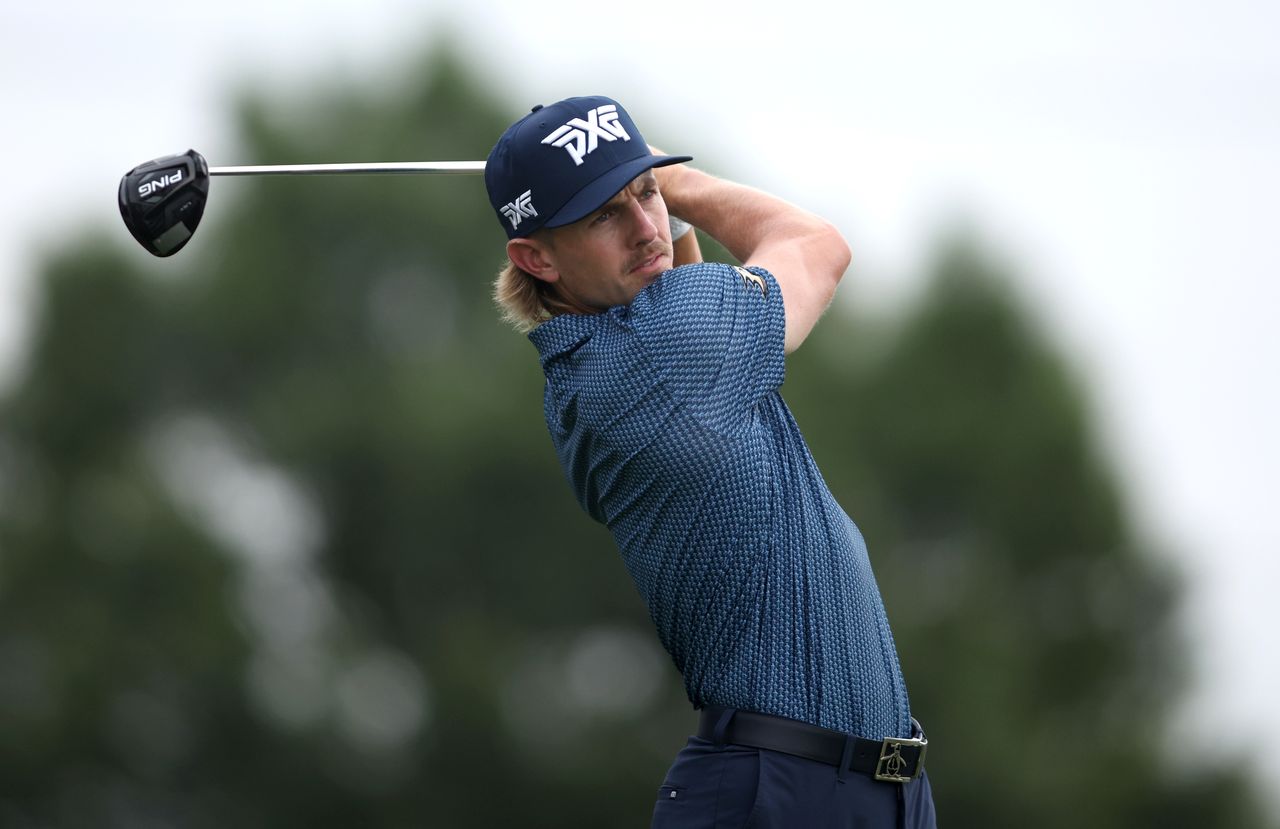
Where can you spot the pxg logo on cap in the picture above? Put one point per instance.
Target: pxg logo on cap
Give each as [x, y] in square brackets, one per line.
[580, 137]
[561, 162]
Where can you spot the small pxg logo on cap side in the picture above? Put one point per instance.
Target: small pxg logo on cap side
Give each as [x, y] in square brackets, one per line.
[521, 208]
[580, 137]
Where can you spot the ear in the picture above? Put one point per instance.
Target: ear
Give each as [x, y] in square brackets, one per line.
[531, 256]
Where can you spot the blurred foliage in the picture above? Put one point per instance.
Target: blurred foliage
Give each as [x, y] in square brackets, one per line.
[283, 542]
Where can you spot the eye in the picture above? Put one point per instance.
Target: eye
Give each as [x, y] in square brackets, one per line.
[602, 217]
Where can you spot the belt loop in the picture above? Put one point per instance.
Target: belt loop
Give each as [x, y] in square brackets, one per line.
[722, 725]
[846, 757]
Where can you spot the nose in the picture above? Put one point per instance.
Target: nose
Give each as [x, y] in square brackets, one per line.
[644, 227]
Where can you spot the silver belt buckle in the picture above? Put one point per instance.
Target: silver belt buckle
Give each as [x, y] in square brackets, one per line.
[891, 765]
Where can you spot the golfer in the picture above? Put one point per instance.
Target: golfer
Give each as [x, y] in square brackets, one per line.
[662, 378]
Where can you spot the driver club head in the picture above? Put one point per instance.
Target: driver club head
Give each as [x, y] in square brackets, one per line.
[162, 201]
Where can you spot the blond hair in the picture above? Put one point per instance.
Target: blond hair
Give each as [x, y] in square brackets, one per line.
[521, 296]
[525, 300]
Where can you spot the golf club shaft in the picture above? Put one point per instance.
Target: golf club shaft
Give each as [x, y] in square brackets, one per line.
[363, 168]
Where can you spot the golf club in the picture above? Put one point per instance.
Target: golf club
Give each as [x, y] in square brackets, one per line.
[162, 200]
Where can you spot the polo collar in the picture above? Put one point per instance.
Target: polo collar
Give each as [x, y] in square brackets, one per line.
[563, 333]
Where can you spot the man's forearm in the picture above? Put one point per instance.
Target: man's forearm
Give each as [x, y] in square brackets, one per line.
[805, 253]
[739, 217]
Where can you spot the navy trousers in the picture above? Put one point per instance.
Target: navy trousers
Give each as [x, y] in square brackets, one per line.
[718, 787]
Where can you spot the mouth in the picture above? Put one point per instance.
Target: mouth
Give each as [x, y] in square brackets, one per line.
[653, 265]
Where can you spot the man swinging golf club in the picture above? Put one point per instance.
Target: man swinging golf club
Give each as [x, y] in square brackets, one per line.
[662, 377]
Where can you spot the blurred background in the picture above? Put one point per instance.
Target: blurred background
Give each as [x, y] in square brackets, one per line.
[283, 541]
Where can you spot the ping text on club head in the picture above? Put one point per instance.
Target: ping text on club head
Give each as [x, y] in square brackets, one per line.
[148, 187]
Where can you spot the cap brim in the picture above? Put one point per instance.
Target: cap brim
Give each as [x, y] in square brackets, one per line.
[591, 197]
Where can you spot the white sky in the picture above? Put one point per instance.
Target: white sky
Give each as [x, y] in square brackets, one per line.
[1123, 154]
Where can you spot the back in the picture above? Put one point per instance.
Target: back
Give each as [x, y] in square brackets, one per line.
[667, 421]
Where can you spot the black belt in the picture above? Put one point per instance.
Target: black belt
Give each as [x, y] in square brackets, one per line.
[892, 760]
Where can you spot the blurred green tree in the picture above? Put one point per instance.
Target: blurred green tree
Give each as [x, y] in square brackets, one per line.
[283, 541]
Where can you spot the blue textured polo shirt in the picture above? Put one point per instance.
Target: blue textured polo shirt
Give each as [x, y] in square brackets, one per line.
[668, 423]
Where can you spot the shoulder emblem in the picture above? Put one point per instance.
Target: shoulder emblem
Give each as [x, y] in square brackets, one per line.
[753, 279]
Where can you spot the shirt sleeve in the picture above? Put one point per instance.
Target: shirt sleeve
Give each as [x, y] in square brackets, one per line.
[714, 333]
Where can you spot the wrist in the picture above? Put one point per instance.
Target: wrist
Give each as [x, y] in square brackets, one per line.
[681, 187]
[679, 227]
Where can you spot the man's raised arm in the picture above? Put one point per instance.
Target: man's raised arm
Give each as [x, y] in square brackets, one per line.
[804, 252]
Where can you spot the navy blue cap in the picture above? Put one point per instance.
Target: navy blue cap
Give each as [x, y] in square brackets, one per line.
[561, 162]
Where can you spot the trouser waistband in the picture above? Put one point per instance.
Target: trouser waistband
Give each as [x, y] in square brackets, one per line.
[891, 760]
